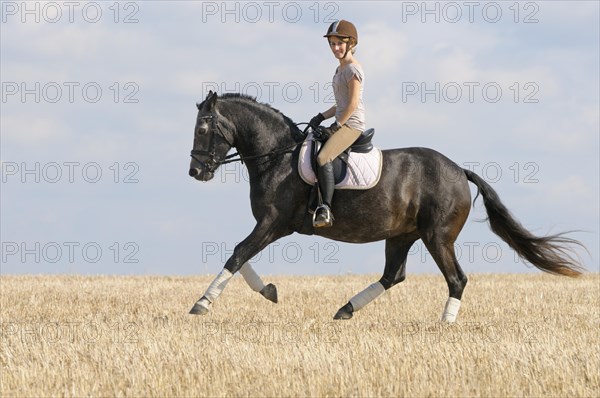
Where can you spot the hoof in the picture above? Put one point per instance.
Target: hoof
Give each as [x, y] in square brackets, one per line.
[270, 292]
[345, 312]
[201, 307]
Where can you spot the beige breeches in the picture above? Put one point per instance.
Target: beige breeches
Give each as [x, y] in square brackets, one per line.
[337, 143]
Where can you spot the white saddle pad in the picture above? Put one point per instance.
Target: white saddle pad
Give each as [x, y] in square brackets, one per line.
[364, 169]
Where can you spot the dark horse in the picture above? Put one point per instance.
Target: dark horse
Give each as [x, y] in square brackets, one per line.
[421, 195]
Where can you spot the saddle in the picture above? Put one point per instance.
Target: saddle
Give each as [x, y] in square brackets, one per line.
[357, 168]
[363, 144]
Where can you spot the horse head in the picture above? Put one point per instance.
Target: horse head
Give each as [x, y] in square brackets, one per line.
[212, 140]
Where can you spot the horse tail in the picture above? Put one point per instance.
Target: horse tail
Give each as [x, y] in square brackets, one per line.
[550, 254]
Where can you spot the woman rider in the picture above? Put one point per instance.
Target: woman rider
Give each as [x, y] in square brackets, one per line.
[348, 111]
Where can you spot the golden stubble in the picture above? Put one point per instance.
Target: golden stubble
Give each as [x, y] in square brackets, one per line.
[516, 335]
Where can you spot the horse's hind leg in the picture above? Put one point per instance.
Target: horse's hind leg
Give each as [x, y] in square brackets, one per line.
[443, 254]
[396, 251]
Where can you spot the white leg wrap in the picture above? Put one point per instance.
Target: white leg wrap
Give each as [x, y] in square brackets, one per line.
[216, 287]
[366, 296]
[451, 310]
[251, 277]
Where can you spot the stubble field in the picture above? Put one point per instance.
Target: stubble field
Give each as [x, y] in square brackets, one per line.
[516, 335]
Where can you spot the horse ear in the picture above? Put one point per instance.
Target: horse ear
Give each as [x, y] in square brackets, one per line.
[209, 103]
[211, 99]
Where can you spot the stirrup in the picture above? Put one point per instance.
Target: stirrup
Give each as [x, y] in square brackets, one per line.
[322, 217]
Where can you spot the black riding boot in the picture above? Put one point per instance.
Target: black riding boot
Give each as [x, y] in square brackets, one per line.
[323, 216]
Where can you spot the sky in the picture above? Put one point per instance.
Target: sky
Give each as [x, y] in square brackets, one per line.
[98, 105]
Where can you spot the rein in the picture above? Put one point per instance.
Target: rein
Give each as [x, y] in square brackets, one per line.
[213, 163]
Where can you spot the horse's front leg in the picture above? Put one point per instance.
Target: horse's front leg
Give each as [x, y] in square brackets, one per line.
[255, 282]
[261, 237]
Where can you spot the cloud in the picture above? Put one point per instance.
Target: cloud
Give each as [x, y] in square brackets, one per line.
[382, 48]
[27, 131]
[176, 50]
[570, 188]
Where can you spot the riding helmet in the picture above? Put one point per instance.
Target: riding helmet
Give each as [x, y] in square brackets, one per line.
[342, 28]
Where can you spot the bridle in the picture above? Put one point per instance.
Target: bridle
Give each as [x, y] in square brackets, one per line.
[212, 163]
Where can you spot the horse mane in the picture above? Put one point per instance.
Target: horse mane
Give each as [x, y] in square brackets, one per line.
[248, 98]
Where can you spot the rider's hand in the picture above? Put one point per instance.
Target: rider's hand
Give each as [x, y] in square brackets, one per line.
[316, 121]
[329, 131]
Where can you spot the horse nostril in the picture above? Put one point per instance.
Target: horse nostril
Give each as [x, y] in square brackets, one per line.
[194, 172]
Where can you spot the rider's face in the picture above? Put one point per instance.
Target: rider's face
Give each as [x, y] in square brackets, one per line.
[338, 47]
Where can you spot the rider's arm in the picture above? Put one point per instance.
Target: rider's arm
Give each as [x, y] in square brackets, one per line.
[329, 112]
[354, 92]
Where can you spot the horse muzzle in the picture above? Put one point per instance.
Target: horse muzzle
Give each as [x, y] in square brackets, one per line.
[201, 175]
